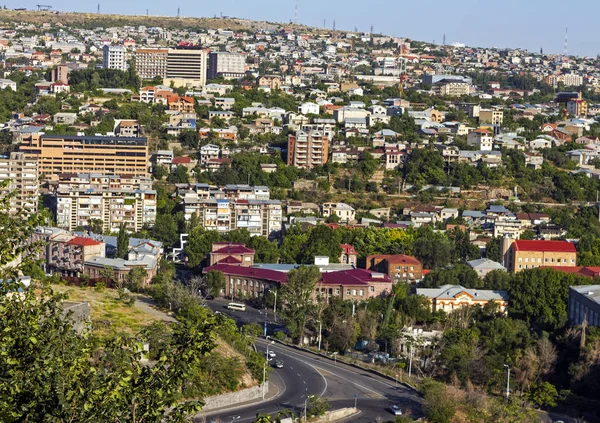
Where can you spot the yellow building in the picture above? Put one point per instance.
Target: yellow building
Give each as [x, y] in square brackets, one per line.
[492, 117]
[524, 254]
[58, 154]
[453, 297]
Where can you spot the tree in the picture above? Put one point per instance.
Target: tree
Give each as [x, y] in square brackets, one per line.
[136, 278]
[165, 230]
[266, 251]
[296, 295]
[199, 245]
[179, 176]
[215, 283]
[439, 406]
[122, 242]
[493, 248]
[159, 172]
[322, 241]
[543, 394]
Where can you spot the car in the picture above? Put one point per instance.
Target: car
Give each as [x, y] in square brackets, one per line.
[279, 364]
[272, 354]
[396, 411]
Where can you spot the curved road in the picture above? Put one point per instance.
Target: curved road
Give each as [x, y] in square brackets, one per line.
[310, 374]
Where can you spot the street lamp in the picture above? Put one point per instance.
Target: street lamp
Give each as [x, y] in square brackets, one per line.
[320, 329]
[335, 357]
[265, 370]
[275, 305]
[507, 382]
[305, 403]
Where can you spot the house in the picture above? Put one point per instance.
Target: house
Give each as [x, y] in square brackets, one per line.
[164, 157]
[584, 305]
[343, 211]
[348, 255]
[453, 297]
[484, 266]
[230, 253]
[399, 267]
[181, 103]
[481, 139]
[209, 152]
[65, 118]
[525, 254]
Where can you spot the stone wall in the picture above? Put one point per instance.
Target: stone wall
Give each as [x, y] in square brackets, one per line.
[234, 398]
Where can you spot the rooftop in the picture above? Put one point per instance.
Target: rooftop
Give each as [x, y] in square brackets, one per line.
[454, 291]
[545, 246]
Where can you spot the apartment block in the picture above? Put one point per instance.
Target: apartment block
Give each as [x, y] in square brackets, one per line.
[452, 88]
[114, 200]
[151, 63]
[114, 57]
[524, 254]
[60, 74]
[186, 68]
[491, 117]
[58, 154]
[584, 305]
[481, 139]
[23, 175]
[307, 149]
[227, 65]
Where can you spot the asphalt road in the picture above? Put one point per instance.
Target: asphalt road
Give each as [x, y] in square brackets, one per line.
[308, 374]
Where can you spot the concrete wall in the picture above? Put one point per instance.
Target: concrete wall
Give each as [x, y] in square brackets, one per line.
[336, 415]
[80, 314]
[234, 398]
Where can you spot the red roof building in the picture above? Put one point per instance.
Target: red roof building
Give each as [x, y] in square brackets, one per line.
[530, 254]
[231, 254]
[349, 255]
[399, 267]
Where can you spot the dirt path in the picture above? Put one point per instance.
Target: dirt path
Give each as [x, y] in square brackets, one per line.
[147, 305]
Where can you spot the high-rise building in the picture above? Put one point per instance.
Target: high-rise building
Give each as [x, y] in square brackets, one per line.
[58, 154]
[113, 200]
[60, 74]
[151, 62]
[226, 64]
[182, 66]
[23, 175]
[307, 149]
[114, 57]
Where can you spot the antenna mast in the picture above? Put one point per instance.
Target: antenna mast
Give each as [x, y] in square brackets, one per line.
[566, 40]
[296, 13]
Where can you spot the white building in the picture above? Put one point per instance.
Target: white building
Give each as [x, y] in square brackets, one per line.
[308, 109]
[345, 212]
[209, 152]
[7, 83]
[481, 139]
[114, 57]
[24, 181]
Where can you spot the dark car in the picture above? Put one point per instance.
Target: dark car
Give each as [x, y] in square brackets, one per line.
[278, 364]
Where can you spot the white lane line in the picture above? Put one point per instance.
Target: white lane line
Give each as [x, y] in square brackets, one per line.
[304, 382]
[298, 374]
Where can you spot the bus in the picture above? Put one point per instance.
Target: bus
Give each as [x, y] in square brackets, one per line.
[236, 306]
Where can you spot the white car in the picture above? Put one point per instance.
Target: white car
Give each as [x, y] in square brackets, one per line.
[272, 354]
[396, 411]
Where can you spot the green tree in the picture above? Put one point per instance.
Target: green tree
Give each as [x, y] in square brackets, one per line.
[122, 242]
[543, 395]
[165, 230]
[215, 283]
[492, 249]
[199, 245]
[159, 172]
[179, 176]
[322, 241]
[296, 295]
[96, 226]
[266, 251]
[136, 278]
[439, 406]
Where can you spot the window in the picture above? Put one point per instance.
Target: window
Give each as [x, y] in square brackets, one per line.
[347, 292]
[239, 282]
[546, 260]
[337, 291]
[526, 259]
[412, 268]
[552, 260]
[251, 283]
[372, 288]
[354, 292]
[520, 259]
[362, 293]
[564, 260]
[539, 260]
[572, 261]
[520, 266]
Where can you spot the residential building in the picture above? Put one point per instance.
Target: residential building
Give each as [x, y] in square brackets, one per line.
[231, 253]
[524, 254]
[399, 267]
[451, 88]
[23, 176]
[349, 255]
[164, 157]
[114, 57]
[491, 117]
[577, 108]
[343, 211]
[127, 128]
[453, 297]
[225, 103]
[113, 200]
[181, 104]
[7, 83]
[151, 63]
[58, 154]
[481, 139]
[227, 65]
[209, 152]
[584, 305]
[484, 266]
[307, 149]
[186, 67]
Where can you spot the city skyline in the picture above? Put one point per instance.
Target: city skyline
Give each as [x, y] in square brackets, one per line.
[465, 21]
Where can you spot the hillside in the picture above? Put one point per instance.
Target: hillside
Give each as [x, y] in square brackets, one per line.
[93, 20]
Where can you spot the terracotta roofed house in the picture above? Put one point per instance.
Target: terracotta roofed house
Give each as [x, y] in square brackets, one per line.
[348, 255]
[231, 253]
[529, 254]
[399, 267]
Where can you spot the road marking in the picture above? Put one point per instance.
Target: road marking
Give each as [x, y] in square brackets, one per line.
[298, 374]
[304, 382]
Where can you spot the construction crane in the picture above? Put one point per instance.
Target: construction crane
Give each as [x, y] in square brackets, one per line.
[44, 7]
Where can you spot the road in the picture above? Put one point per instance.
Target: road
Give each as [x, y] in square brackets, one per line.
[309, 374]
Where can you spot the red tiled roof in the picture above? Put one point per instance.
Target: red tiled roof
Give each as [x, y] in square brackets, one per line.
[249, 272]
[229, 260]
[84, 242]
[395, 258]
[354, 277]
[588, 271]
[545, 246]
[234, 249]
[348, 249]
[181, 160]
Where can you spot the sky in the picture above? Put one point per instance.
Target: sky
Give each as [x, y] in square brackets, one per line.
[530, 24]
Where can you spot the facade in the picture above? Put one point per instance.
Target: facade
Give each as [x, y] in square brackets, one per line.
[491, 117]
[227, 65]
[113, 200]
[349, 255]
[114, 57]
[584, 305]
[453, 297]
[307, 149]
[524, 254]
[209, 152]
[60, 74]
[398, 267]
[186, 67]
[151, 63]
[345, 212]
[452, 88]
[58, 154]
[577, 107]
[24, 175]
[7, 83]
[481, 139]
[231, 253]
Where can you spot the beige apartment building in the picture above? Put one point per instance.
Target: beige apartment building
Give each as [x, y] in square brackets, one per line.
[491, 117]
[114, 200]
[151, 62]
[58, 154]
[524, 254]
[308, 149]
[185, 67]
[452, 88]
[23, 175]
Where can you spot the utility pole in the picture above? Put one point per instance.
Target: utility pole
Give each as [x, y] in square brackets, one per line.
[410, 361]
[507, 382]
[320, 331]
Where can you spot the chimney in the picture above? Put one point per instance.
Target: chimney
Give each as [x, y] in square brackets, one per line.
[505, 244]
